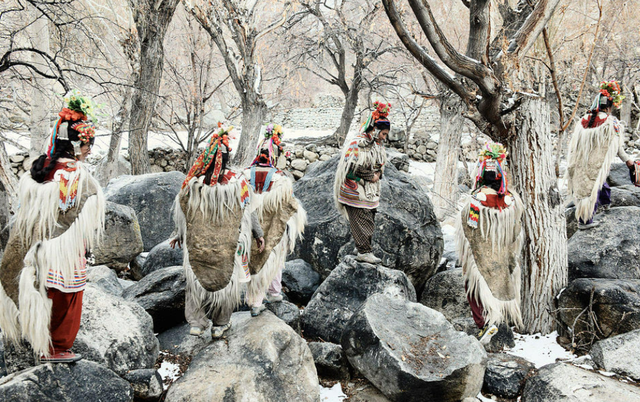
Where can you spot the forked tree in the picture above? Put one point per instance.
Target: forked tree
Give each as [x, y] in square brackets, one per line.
[152, 19]
[236, 27]
[487, 79]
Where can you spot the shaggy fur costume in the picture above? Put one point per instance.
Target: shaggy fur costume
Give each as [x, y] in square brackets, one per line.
[44, 239]
[362, 152]
[283, 220]
[591, 152]
[489, 256]
[207, 219]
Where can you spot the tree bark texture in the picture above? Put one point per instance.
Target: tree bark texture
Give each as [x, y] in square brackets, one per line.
[544, 256]
[348, 111]
[39, 127]
[254, 112]
[152, 19]
[445, 187]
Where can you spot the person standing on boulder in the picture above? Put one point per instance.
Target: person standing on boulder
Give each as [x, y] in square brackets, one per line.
[489, 239]
[357, 183]
[281, 217]
[214, 226]
[597, 139]
[61, 215]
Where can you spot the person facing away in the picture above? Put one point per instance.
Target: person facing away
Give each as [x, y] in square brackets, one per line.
[61, 216]
[214, 226]
[595, 142]
[281, 217]
[357, 181]
[489, 239]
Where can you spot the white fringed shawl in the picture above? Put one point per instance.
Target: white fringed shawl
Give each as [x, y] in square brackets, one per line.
[502, 232]
[591, 152]
[36, 224]
[215, 203]
[360, 152]
[268, 203]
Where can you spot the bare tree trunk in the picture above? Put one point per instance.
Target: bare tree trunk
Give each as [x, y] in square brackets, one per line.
[39, 126]
[348, 111]
[8, 180]
[445, 187]
[544, 262]
[254, 111]
[152, 19]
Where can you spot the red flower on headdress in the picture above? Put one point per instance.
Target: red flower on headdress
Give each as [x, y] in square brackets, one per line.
[71, 115]
[381, 112]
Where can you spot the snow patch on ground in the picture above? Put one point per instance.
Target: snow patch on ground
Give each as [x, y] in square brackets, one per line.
[169, 372]
[333, 394]
[540, 350]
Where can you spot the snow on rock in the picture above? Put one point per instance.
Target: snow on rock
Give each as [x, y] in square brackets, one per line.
[540, 350]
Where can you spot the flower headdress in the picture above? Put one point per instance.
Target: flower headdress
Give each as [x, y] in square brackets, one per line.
[213, 153]
[492, 151]
[379, 115]
[608, 90]
[77, 109]
[272, 140]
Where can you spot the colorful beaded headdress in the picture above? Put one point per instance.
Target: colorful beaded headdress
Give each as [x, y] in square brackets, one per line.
[379, 115]
[77, 109]
[491, 158]
[272, 140]
[213, 153]
[609, 90]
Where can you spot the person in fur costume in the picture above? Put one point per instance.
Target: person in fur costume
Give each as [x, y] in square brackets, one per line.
[357, 183]
[596, 140]
[489, 239]
[43, 271]
[282, 219]
[214, 226]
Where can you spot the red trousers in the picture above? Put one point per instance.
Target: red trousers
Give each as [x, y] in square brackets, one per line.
[65, 318]
[476, 310]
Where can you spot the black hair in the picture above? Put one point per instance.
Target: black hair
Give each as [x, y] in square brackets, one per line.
[594, 112]
[382, 125]
[491, 180]
[63, 149]
[208, 175]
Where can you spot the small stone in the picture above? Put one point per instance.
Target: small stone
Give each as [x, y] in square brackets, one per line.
[299, 164]
[16, 158]
[297, 174]
[310, 156]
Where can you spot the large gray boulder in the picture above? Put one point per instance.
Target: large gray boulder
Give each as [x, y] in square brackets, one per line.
[619, 354]
[104, 278]
[82, 381]
[625, 196]
[616, 306]
[444, 292]
[345, 290]
[177, 340]
[300, 280]
[330, 360]
[619, 175]
[122, 240]
[505, 375]
[567, 383]
[610, 250]
[161, 256]
[151, 197]
[407, 234]
[115, 333]
[147, 384]
[103, 173]
[162, 295]
[412, 353]
[287, 312]
[261, 360]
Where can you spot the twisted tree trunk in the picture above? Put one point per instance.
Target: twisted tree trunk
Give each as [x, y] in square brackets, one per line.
[544, 256]
[445, 187]
[254, 112]
[152, 19]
